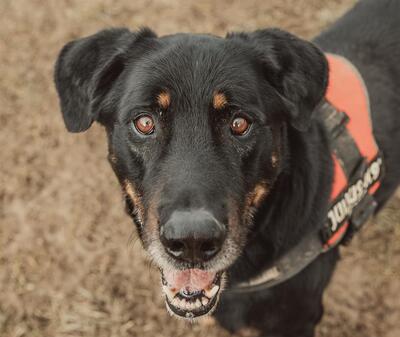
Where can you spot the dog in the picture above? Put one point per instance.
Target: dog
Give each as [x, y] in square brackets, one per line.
[223, 157]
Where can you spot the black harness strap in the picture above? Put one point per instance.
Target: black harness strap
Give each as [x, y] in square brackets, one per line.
[343, 144]
[290, 264]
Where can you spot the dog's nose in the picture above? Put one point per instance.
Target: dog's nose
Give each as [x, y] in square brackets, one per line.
[192, 236]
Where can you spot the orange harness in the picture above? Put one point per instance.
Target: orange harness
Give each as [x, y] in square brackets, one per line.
[356, 156]
[358, 167]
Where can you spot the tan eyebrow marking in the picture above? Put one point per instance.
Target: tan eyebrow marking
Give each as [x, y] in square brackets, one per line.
[164, 99]
[219, 101]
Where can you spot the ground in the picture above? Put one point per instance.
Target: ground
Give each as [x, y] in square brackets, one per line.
[70, 264]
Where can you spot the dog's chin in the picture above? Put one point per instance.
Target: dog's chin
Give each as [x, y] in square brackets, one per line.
[191, 293]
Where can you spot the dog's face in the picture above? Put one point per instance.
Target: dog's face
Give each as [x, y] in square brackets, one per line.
[194, 125]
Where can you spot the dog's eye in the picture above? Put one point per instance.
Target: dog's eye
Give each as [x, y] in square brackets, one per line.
[144, 124]
[240, 126]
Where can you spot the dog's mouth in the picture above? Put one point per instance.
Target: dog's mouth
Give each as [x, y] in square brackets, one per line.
[191, 293]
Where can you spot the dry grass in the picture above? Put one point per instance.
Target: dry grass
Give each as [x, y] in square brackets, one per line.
[68, 265]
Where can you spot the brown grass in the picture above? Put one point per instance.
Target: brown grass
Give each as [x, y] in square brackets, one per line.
[69, 264]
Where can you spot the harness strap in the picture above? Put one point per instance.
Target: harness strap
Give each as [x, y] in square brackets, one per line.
[290, 264]
[343, 144]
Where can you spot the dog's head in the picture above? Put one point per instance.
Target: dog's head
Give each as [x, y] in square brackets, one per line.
[194, 125]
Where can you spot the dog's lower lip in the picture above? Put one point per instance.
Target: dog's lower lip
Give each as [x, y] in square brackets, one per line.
[191, 305]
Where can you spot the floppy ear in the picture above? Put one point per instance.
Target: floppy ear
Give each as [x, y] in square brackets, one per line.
[86, 71]
[295, 68]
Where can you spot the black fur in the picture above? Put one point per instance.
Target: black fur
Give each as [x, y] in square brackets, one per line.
[274, 79]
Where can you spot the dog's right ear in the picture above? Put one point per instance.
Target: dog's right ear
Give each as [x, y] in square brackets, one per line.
[86, 71]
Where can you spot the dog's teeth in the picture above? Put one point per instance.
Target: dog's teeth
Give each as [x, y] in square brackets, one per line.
[175, 302]
[182, 304]
[198, 303]
[188, 306]
[214, 290]
[204, 301]
[211, 293]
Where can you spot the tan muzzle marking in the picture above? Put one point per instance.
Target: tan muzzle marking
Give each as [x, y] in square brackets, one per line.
[130, 191]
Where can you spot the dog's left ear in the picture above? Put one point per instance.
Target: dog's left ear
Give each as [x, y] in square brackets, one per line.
[295, 68]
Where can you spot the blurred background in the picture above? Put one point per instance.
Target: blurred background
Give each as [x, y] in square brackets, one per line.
[70, 264]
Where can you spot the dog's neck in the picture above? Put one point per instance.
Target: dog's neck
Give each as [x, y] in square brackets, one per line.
[298, 201]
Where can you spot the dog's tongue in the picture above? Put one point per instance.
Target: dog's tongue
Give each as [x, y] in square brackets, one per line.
[189, 279]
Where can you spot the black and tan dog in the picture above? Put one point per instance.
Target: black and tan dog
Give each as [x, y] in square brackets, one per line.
[223, 158]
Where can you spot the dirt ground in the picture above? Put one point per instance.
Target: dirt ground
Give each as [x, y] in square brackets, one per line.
[69, 263]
